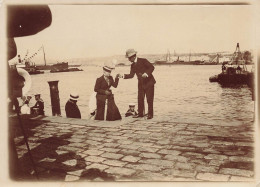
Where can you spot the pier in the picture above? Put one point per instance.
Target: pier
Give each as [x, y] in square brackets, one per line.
[160, 149]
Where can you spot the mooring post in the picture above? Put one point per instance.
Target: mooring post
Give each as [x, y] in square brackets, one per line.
[55, 99]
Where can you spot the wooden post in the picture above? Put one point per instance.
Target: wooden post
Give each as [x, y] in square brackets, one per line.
[55, 100]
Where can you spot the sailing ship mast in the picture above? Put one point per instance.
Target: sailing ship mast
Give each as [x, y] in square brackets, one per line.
[168, 56]
[44, 56]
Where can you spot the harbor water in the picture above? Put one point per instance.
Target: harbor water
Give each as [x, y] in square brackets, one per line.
[182, 92]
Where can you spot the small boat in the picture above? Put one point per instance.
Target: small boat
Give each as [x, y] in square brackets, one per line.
[63, 67]
[234, 72]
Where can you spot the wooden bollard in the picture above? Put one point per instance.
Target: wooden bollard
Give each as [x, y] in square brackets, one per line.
[55, 99]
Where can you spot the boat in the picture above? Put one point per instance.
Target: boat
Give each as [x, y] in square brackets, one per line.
[66, 70]
[62, 67]
[29, 67]
[234, 72]
[168, 61]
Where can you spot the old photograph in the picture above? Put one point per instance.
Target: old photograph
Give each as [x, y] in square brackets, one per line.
[137, 92]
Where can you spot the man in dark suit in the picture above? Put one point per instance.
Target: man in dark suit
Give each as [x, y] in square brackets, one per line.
[71, 107]
[143, 70]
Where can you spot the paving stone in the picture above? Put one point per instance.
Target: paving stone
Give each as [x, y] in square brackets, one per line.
[134, 147]
[131, 158]
[179, 173]
[239, 172]
[240, 179]
[125, 142]
[47, 159]
[202, 144]
[199, 161]
[151, 176]
[70, 178]
[217, 162]
[185, 132]
[76, 140]
[91, 142]
[164, 142]
[182, 148]
[112, 155]
[92, 134]
[212, 177]
[116, 137]
[144, 167]
[94, 159]
[142, 132]
[129, 152]
[61, 152]
[93, 152]
[113, 145]
[235, 153]
[72, 162]
[210, 150]
[169, 152]
[208, 169]
[98, 139]
[177, 158]
[192, 154]
[113, 150]
[222, 143]
[186, 166]
[150, 155]
[148, 149]
[114, 163]
[249, 144]
[99, 166]
[120, 171]
[77, 172]
[158, 162]
[142, 144]
[80, 145]
[68, 148]
[216, 157]
[241, 159]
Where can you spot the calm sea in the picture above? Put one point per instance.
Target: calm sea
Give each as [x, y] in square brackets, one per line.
[182, 92]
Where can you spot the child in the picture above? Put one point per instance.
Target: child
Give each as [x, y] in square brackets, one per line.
[131, 111]
[25, 109]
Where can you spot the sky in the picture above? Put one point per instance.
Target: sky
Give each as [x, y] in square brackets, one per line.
[82, 31]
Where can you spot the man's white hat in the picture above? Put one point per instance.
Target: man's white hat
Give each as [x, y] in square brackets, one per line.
[74, 96]
[131, 105]
[130, 52]
[109, 66]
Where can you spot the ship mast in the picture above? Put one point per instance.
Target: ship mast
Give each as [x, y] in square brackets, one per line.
[44, 55]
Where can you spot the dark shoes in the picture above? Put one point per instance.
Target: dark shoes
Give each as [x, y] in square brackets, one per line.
[149, 117]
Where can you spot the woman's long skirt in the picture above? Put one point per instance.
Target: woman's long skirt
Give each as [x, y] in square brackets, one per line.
[112, 110]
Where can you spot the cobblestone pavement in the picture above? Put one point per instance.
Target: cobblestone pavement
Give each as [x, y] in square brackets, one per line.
[135, 150]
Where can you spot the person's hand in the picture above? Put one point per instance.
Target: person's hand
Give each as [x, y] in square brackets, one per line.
[144, 75]
[118, 76]
[107, 92]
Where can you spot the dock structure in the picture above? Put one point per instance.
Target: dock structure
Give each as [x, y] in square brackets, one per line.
[160, 149]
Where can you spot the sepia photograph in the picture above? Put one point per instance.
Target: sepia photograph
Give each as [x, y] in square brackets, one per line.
[131, 92]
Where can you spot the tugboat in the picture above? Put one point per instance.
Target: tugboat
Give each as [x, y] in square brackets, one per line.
[234, 72]
[30, 68]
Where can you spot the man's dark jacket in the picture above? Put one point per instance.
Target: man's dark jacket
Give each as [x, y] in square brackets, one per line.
[72, 110]
[142, 66]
